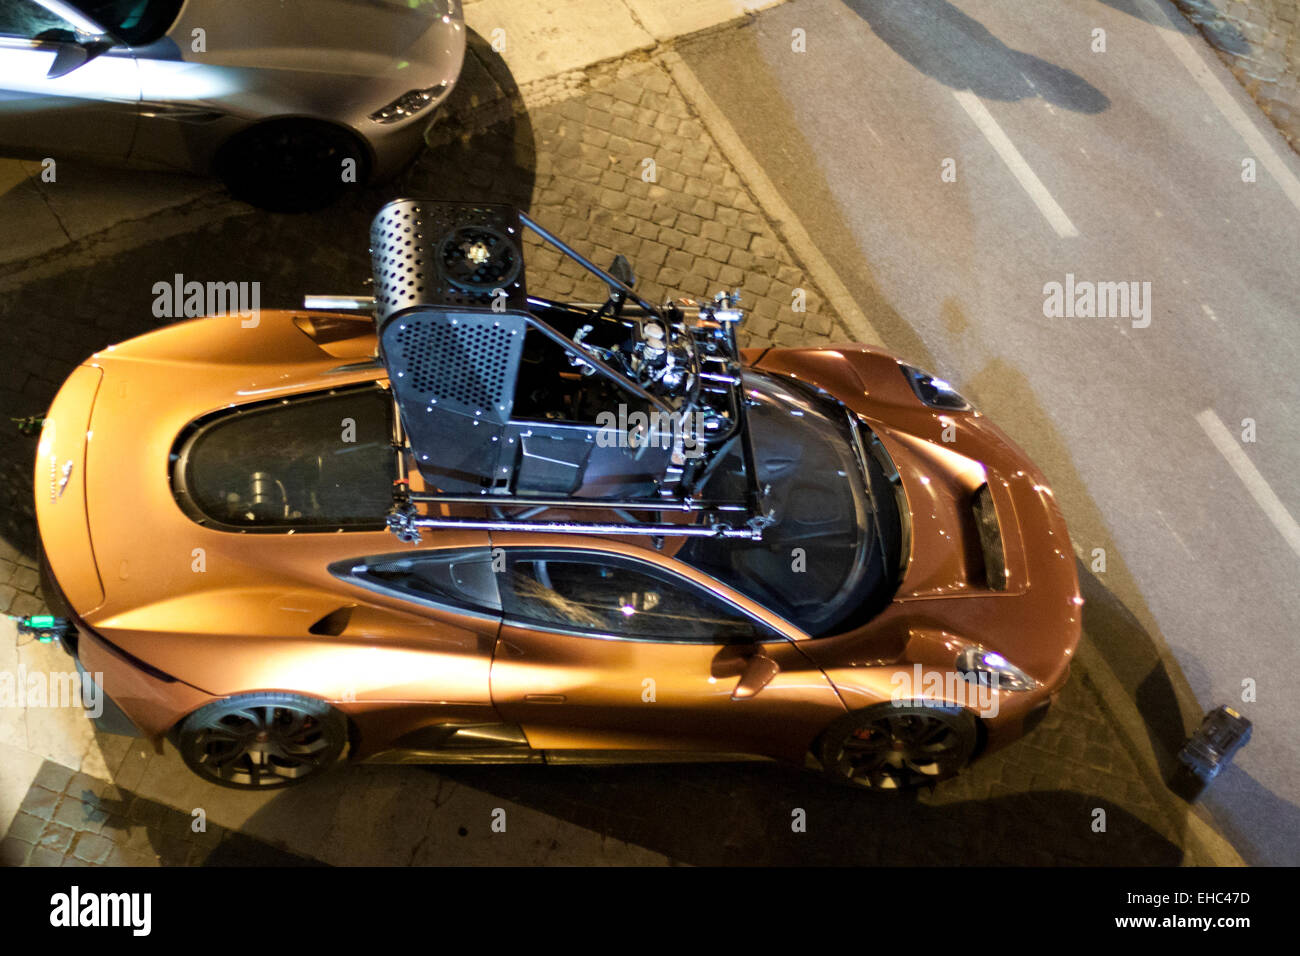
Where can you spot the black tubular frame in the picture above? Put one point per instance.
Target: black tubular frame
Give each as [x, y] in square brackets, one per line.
[715, 518]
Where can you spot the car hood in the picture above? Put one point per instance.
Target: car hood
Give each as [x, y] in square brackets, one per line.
[938, 477]
[341, 59]
[942, 458]
[357, 37]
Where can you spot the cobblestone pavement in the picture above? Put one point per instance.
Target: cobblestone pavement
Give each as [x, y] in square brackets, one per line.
[576, 164]
[71, 819]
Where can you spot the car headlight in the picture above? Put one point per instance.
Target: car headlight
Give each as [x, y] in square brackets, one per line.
[986, 666]
[408, 104]
[934, 392]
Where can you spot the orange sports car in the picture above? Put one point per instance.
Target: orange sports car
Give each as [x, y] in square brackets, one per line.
[455, 522]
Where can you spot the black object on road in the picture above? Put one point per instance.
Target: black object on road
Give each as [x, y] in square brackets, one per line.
[1222, 733]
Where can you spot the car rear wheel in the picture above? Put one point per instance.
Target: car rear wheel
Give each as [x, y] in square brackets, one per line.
[890, 747]
[262, 741]
[290, 165]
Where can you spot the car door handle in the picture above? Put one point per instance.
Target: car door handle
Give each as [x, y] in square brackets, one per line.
[544, 698]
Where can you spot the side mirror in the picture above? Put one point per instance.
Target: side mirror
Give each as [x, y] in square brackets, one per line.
[74, 53]
[758, 673]
[621, 270]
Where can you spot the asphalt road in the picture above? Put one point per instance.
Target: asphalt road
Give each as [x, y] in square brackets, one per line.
[1111, 166]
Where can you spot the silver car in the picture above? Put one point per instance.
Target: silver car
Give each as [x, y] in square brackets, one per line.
[289, 101]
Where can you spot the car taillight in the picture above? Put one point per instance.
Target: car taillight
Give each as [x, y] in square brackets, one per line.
[990, 533]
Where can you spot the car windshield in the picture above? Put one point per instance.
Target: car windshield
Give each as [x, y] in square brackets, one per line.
[136, 21]
[830, 561]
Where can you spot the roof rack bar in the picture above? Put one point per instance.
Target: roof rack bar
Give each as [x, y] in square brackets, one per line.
[630, 308]
[587, 264]
[622, 381]
[412, 523]
[626, 504]
[339, 303]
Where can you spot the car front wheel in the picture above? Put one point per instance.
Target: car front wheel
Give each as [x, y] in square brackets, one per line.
[894, 747]
[262, 741]
[291, 165]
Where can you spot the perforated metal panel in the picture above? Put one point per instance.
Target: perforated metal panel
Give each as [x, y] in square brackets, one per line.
[453, 376]
[448, 255]
[463, 362]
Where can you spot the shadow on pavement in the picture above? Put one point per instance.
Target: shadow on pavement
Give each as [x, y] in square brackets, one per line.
[1260, 824]
[943, 42]
[1132, 656]
[1204, 18]
[709, 815]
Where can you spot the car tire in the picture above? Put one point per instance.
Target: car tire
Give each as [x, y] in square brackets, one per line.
[898, 746]
[262, 741]
[292, 165]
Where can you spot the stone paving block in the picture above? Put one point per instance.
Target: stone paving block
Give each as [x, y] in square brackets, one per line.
[14, 852]
[92, 848]
[45, 857]
[26, 827]
[72, 813]
[55, 837]
[25, 604]
[41, 802]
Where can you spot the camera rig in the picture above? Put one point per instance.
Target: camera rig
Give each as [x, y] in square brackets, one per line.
[528, 406]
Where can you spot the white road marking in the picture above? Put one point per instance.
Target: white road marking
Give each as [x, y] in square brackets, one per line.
[1230, 449]
[1256, 141]
[1027, 178]
[770, 201]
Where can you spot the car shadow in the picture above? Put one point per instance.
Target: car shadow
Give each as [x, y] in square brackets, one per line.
[694, 814]
[954, 48]
[766, 814]
[1131, 655]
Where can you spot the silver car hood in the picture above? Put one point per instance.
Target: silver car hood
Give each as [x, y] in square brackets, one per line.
[334, 57]
[370, 38]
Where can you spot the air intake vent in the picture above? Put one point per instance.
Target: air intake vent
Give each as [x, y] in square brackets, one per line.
[990, 533]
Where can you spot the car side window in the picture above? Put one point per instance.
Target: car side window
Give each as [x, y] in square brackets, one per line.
[461, 579]
[600, 595]
[26, 19]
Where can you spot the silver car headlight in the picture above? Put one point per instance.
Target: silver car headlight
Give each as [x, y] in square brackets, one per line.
[408, 104]
[990, 668]
[934, 392]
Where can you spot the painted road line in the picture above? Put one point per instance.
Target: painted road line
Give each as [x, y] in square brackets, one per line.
[1184, 49]
[787, 224]
[1027, 178]
[1272, 506]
